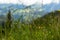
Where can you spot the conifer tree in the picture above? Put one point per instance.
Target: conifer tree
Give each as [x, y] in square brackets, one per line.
[8, 21]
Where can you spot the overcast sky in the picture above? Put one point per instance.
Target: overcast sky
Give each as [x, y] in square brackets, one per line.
[28, 2]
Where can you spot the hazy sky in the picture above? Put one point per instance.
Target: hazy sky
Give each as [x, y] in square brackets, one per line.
[28, 2]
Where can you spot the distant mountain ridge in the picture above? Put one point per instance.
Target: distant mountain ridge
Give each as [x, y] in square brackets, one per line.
[28, 12]
[45, 8]
[48, 7]
[5, 7]
[12, 5]
[37, 7]
[51, 7]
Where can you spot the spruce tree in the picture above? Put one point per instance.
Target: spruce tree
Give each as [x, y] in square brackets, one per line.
[8, 21]
[8, 24]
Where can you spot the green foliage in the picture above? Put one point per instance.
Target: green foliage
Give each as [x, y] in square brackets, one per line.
[44, 28]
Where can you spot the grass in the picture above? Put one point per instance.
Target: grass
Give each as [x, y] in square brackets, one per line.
[28, 32]
[38, 30]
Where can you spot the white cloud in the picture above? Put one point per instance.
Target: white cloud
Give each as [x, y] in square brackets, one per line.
[28, 2]
[56, 1]
[48, 1]
[9, 1]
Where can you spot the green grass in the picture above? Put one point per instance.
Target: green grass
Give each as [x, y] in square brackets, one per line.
[28, 32]
[45, 28]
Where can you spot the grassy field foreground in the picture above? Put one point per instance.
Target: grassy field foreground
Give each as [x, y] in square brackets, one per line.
[44, 28]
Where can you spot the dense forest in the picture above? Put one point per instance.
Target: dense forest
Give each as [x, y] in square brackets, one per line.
[43, 28]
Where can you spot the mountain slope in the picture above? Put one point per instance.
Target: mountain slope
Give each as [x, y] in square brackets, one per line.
[50, 19]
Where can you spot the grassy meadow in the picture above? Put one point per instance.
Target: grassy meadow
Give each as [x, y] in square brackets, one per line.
[44, 28]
